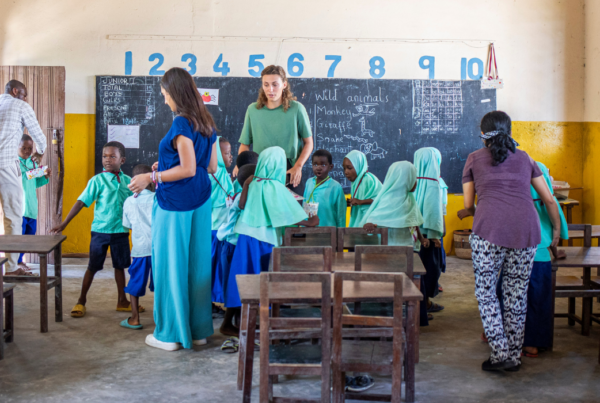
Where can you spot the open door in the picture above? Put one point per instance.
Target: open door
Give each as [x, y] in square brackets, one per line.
[46, 95]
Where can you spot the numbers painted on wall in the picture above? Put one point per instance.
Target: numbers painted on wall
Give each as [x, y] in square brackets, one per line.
[471, 68]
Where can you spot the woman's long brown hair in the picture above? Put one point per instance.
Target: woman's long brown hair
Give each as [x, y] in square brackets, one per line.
[180, 85]
[287, 95]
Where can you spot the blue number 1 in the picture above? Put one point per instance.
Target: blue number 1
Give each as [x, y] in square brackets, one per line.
[336, 60]
[154, 71]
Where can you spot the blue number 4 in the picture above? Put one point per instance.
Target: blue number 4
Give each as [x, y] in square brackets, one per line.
[224, 69]
[336, 60]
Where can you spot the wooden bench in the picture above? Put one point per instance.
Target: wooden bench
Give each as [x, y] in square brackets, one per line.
[7, 322]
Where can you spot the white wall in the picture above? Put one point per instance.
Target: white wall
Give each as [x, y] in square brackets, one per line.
[592, 61]
[539, 43]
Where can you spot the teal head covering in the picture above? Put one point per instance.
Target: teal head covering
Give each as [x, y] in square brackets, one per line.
[443, 185]
[545, 223]
[222, 187]
[270, 203]
[429, 191]
[395, 205]
[365, 186]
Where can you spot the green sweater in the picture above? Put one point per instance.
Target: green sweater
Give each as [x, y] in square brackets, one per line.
[30, 200]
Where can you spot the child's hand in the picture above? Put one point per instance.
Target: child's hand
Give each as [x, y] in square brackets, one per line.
[437, 243]
[355, 202]
[370, 227]
[424, 242]
[463, 213]
[558, 254]
[48, 173]
[155, 166]
[37, 158]
[348, 202]
[249, 180]
[59, 228]
[139, 183]
[313, 221]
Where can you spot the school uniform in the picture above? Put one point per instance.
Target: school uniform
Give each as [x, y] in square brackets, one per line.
[30, 200]
[221, 195]
[228, 238]
[109, 191]
[269, 208]
[444, 188]
[332, 202]
[137, 215]
[365, 186]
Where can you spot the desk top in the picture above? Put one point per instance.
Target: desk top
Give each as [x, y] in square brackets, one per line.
[30, 243]
[325, 240]
[578, 256]
[568, 201]
[579, 234]
[308, 293]
[344, 261]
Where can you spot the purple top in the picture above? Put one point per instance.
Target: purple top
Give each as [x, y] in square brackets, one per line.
[505, 214]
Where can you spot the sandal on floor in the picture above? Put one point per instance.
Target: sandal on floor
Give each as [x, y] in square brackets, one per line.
[125, 323]
[231, 345]
[78, 311]
[128, 309]
[528, 355]
[435, 308]
[429, 316]
[21, 272]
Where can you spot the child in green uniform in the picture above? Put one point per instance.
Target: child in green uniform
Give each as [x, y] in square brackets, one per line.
[30, 201]
[326, 191]
[109, 190]
[365, 185]
[221, 186]
[244, 158]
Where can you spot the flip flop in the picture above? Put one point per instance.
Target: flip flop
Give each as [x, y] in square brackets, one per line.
[435, 308]
[21, 272]
[128, 309]
[78, 311]
[125, 323]
[231, 345]
[528, 355]
[484, 338]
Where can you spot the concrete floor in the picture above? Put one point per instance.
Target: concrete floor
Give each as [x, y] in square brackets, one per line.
[94, 360]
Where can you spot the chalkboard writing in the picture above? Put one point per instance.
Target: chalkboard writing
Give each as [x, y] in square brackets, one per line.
[388, 120]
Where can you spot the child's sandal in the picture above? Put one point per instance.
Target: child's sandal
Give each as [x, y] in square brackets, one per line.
[231, 345]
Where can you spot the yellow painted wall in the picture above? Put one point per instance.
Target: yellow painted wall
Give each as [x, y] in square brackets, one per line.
[591, 172]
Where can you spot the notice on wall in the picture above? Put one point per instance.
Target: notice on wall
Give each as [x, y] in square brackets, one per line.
[128, 135]
[210, 96]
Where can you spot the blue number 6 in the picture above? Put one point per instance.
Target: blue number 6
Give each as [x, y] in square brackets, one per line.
[154, 71]
[336, 60]
[252, 63]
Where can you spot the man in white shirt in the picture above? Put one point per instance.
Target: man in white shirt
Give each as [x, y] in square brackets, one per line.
[15, 115]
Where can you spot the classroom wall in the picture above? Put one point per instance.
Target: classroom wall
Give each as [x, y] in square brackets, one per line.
[539, 44]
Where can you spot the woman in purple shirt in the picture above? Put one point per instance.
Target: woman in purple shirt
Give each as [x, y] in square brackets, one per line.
[506, 232]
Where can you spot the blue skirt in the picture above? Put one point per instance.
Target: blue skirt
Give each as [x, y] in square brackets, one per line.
[217, 272]
[251, 256]
[139, 273]
[538, 321]
[227, 251]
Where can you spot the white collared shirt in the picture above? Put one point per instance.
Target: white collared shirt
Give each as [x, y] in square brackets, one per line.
[137, 215]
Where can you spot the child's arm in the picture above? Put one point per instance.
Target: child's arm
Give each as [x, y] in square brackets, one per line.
[311, 222]
[370, 227]
[39, 182]
[424, 241]
[358, 202]
[558, 254]
[74, 211]
[244, 195]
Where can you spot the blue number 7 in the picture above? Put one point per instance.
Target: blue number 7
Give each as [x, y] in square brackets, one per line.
[336, 60]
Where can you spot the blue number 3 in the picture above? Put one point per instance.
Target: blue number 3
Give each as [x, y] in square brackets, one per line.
[192, 64]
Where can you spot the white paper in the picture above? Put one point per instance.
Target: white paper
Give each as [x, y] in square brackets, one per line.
[485, 100]
[128, 135]
[210, 96]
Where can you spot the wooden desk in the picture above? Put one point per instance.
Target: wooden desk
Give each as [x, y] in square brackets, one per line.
[579, 234]
[585, 258]
[43, 245]
[310, 293]
[6, 332]
[324, 240]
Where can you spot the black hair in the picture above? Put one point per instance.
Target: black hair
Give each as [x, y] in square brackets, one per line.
[245, 172]
[502, 143]
[247, 157]
[26, 137]
[141, 169]
[223, 140]
[323, 153]
[13, 84]
[118, 145]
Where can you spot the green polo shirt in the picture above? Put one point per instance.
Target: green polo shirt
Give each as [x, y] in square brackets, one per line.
[264, 128]
[109, 195]
[30, 200]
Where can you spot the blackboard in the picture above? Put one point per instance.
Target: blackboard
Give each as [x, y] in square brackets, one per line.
[387, 119]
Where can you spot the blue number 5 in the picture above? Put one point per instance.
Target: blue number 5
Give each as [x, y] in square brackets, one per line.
[191, 64]
[252, 63]
[154, 71]
[336, 60]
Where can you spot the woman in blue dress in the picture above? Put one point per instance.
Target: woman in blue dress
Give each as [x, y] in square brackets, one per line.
[181, 218]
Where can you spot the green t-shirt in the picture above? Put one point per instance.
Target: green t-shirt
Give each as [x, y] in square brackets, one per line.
[30, 200]
[109, 195]
[264, 128]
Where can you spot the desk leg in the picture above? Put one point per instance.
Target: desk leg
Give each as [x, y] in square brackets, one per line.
[242, 353]
[586, 304]
[417, 283]
[411, 349]
[58, 312]
[570, 219]
[1, 315]
[44, 293]
[553, 308]
[249, 359]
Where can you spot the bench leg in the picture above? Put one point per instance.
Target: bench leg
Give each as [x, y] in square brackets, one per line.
[9, 317]
[411, 346]
[1, 316]
[242, 350]
[58, 312]
[571, 312]
[586, 315]
[249, 359]
[44, 293]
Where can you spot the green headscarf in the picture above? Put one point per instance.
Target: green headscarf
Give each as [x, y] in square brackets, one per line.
[545, 223]
[222, 187]
[395, 205]
[443, 185]
[429, 191]
[365, 186]
[270, 203]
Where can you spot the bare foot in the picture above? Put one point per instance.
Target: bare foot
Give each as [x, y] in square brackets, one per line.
[530, 350]
[229, 330]
[24, 267]
[123, 304]
[20, 272]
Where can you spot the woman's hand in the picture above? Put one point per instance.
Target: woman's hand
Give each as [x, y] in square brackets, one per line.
[370, 228]
[555, 237]
[139, 183]
[155, 166]
[295, 175]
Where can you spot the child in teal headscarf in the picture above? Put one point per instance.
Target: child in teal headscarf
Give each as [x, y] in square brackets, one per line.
[395, 207]
[267, 209]
[539, 319]
[429, 199]
[444, 188]
[365, 185]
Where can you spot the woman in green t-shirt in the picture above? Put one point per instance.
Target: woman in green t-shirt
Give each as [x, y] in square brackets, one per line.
[277, 119]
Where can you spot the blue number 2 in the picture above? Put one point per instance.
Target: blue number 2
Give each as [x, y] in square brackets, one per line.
[191, 64]
[252, 63]
[336, 60]
[154, 71]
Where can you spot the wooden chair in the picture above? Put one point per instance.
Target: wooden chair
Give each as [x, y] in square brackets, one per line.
[7, 324]
[315, 236]
[348, 238]
[368, 356]
[306, 359]
[573, 287]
